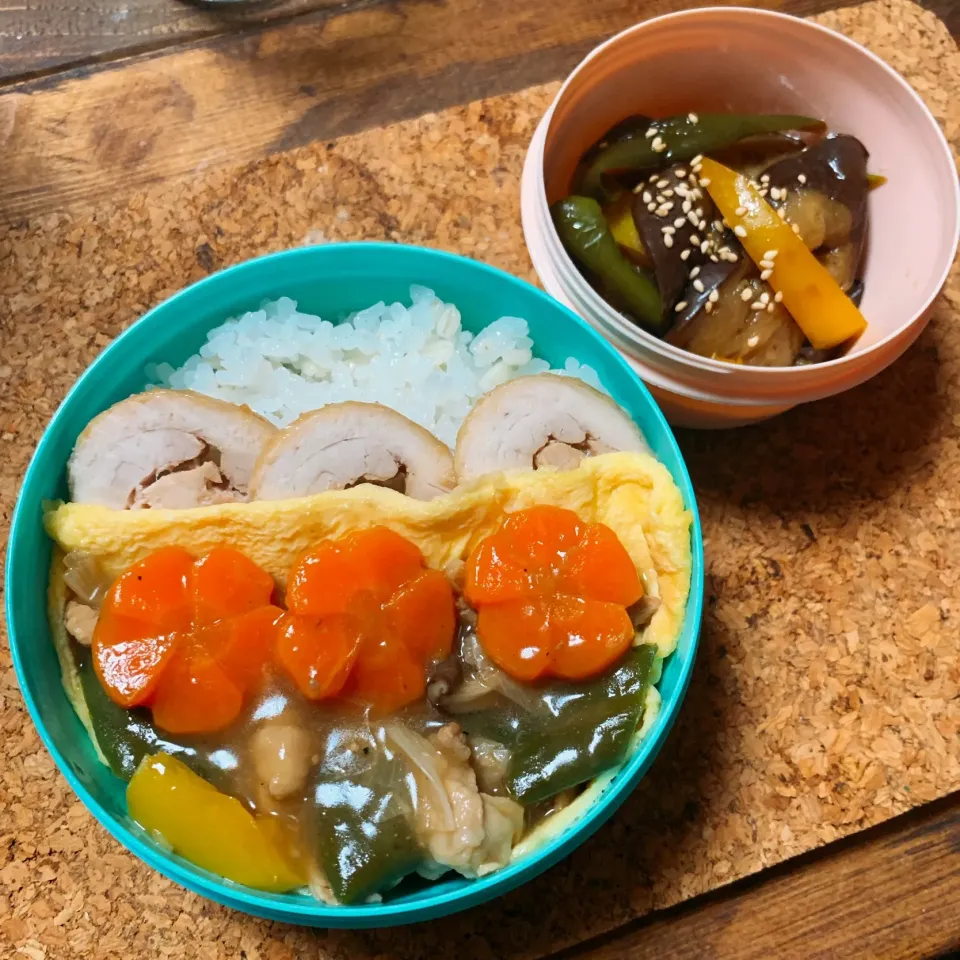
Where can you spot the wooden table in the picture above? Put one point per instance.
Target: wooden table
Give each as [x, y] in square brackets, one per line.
[890, 891]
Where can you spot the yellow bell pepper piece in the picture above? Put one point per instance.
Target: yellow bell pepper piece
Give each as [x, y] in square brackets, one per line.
[207, 827]
[622, 225]
[823, 311]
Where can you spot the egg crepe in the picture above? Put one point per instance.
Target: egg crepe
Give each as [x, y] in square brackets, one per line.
[632, 493]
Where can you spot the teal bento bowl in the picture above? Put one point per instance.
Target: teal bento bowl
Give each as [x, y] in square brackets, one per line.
[331, 281]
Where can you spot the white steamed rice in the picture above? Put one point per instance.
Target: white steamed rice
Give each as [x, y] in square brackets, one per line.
[416, 359]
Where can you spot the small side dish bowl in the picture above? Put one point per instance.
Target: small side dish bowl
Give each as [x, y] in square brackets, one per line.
[723, 59]
[330, 280]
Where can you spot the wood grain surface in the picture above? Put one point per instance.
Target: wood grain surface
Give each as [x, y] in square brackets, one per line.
[40, 36]
[834, 903]
[82, 136]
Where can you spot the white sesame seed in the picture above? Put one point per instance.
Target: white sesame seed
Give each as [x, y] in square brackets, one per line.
[698, 158]
[765, 178]
[757, 305]
[667, 240]
[698, 286]
[658, 145]
[651, 132]
[670, 230]
[681, 173]
[765, 264]
[708, 306]
[664, 209]
[714, 296]
[693, 118]
[682, 305]
[746, 295]
[695, 272]
[781, 213]
[740, 230]
[764, 297]
[694, 240]
[647, 196]
[774, 193]
[679, 222]
[662, 183]
[766, 274]
[718, 225]
[729, 256]
[794, 228]
[705, 246]
[695, 167]
[699, 209]
[771, 255]
[771, 307]
[763, 192]
[651, 207]
[713, 258]
[704, 182]
[638, 188]
[668, 193]
[801, 178]
[687, 206]
[684, 254]
[740, 211]
[694, 219]
[778, 296]
[753, 341]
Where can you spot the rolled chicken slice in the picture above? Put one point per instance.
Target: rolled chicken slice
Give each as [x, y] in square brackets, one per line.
[345, 444]
[167, 448]
[540, 421]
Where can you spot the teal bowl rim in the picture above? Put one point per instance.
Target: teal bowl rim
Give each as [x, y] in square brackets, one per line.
[428, 906]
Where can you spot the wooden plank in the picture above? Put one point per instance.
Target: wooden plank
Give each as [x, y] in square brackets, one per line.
[91, 133]
[892, 892]
[39, 36]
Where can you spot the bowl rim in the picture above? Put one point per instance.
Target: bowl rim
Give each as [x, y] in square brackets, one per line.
[315, 913]
[673, 354]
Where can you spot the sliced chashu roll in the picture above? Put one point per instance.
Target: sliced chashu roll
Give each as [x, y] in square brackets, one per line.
[544, 420]
[345, 444]
[167, 449]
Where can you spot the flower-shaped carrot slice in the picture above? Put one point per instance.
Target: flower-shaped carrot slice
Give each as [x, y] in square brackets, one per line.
[551, 595]
[188, 638]
[366, 617]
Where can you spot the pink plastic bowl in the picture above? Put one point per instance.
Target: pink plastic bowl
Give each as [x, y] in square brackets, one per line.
[737, 59]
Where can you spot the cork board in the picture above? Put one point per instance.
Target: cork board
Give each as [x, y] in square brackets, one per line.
[827, 692]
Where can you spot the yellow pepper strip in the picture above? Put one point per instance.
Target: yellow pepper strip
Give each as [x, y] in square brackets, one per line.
[623, 227]
[822, 310]
[207, 827]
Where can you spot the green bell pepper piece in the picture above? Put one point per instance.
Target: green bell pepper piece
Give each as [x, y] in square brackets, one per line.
[582, 730]
[126, 736]
[685, 136]
[364, 840]
[585, 234]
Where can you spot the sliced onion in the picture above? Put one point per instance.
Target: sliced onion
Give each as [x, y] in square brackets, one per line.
[85, 577]
[425, 758]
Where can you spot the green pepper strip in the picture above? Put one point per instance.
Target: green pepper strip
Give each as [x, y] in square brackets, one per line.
[364, 841]
[585, 234]
[125, 737]
[582, 730]
[683, 138]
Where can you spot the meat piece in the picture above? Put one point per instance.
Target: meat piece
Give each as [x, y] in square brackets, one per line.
[140, 442]
[460, 828]
[342, 445]
[200, 486]
[538, 421]
[80, 620]
[282, 757]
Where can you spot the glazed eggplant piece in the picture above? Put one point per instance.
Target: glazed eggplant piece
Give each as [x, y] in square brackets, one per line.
[674, 218]
[824, 191]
